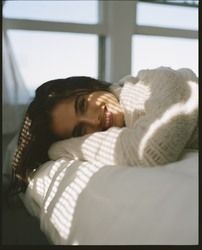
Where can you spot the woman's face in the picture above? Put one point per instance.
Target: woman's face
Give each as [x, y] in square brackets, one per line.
[85, 114]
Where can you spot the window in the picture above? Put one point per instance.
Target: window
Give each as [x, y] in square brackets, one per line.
[166, 35]
[49, 52]
[155, 51]
[44, 56]
[164, 15]
[64, 11]
[102, 40]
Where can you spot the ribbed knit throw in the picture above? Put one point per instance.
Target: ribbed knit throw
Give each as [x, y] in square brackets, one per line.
[161, 116]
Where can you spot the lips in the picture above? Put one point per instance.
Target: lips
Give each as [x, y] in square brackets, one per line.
[107, 119]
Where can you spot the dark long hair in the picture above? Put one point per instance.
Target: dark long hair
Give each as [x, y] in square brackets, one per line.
[35, 136]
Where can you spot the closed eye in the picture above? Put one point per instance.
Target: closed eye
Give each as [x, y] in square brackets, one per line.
[80, 104]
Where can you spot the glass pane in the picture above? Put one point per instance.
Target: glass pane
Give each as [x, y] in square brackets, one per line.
[153, 51]
[64, 11]
[167, 16]
[44, 56]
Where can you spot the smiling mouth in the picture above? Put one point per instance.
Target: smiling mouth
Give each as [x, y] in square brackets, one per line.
[107, 119]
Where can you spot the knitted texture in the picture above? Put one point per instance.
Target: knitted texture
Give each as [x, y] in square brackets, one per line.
[161, 116]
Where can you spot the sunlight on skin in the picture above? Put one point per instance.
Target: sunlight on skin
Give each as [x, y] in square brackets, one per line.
[63, 212]
[172, 112]
[101, 110]
[111, 101]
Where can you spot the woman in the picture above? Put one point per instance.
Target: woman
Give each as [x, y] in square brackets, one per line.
[146, 120]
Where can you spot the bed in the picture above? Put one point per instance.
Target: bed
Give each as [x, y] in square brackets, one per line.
[80, 204]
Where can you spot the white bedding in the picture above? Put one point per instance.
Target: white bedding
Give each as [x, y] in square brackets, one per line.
[78, 203]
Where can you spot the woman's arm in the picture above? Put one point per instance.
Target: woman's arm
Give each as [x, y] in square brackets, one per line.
[156, 144]
[157, 138]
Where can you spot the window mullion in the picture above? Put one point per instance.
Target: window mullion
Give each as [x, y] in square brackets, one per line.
[11, 23]
[169, 32]
[120, 28]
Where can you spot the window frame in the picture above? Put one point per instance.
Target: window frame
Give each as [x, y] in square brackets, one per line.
[117, 24]
[163, 31]
[68, 27]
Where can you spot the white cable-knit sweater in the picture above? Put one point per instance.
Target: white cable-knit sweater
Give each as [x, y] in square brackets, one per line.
[161, 116]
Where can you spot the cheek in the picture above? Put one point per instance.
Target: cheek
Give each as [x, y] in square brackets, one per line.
[60, 120]
[58, 126]
[90, 130]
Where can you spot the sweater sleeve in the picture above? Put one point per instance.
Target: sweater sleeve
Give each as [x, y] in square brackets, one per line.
[157, 138]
